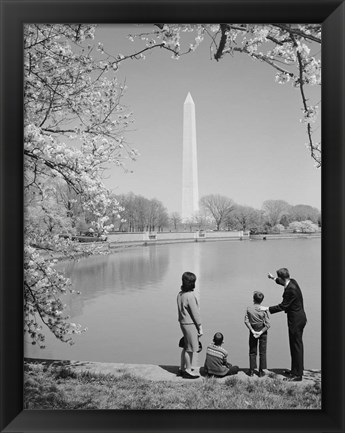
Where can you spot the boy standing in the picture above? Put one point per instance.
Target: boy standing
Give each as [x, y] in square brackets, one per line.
[257, 322]
[216, 363]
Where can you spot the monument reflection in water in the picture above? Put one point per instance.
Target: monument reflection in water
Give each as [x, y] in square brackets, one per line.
[128, 300]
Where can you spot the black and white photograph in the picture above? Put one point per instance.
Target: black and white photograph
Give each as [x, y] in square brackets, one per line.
[172, 216]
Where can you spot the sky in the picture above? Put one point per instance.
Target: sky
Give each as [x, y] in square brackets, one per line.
[250, 142]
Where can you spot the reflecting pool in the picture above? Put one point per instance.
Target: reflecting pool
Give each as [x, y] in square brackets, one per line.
[128, 300]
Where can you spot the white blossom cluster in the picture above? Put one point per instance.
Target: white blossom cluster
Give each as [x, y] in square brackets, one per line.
[74, 126]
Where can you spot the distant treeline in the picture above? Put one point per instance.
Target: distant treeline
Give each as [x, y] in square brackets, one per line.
[216, 213]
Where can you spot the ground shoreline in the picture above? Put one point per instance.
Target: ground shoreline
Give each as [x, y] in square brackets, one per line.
[156, 372]
[115, 247]
[53, 384]
[124, 244]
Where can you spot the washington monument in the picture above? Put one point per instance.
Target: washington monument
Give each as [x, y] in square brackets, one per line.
[190, 190]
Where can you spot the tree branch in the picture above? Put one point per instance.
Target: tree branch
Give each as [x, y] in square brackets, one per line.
[293, 31]
[224, 28]
[305, 105]
[57, 168]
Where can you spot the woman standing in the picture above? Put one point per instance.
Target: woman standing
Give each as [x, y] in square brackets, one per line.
[190, 322]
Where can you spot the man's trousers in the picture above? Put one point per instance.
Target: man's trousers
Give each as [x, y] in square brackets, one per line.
[296, 349]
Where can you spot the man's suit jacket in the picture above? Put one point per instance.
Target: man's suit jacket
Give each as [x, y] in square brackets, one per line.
[292, 304]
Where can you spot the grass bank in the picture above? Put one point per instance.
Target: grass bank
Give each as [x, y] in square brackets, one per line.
[48, 387]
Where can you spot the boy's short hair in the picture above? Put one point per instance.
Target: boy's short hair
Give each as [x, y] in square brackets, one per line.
[283, 273]
[258, 297]
[218, 338]
[188, 281]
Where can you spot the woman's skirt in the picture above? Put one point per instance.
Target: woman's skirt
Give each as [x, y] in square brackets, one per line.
[191, 340]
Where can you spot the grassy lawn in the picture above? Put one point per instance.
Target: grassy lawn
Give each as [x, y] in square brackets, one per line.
[62, 388]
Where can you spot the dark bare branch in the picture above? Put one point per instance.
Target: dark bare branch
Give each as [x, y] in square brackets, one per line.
[224, 28]
[294, 31]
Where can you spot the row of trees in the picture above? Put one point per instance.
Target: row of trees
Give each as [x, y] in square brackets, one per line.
[61, 211]
[217, 212]
[222, 213]
[140, 214]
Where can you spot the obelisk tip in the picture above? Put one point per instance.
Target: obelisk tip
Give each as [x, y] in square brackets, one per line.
[189, 99]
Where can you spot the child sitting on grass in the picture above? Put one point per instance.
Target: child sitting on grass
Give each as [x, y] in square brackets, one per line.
[216, 363]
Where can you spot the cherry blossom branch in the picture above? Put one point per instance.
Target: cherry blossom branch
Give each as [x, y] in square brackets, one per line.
[223, 29]
[293, 31]
[305, 105]
[36, 303]
[281, 35]
[60, 168]
[263, 58]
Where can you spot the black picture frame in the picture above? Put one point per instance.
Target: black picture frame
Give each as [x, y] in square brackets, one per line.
[331, 14]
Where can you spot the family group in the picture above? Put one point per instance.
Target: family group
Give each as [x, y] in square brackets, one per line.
[257, 321]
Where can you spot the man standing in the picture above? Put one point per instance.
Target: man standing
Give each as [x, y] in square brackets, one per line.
[293, 306]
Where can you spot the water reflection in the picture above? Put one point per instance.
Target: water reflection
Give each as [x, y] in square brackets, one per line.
[118, 272]
[121, 273]
[189, 260]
